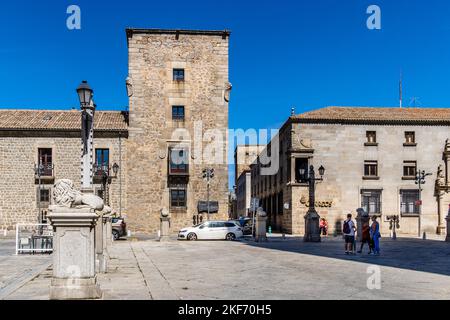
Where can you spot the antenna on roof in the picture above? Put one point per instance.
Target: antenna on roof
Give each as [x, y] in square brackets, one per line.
[414, 102]
[401, 89]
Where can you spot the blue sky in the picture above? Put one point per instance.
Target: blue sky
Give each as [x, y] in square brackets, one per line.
[307, 54]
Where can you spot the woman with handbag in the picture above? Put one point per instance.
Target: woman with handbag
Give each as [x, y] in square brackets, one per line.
[375, 235]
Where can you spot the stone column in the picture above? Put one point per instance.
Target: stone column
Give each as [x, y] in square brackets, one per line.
[107, 233]
[109, 240]
[74, 254]
[361, 219]
[261, 226]
[101, 263]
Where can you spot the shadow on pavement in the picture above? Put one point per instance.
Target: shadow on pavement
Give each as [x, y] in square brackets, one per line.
[406, 253]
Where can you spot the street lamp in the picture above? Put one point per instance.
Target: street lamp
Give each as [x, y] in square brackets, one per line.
[420, 180]
[394, 225]
[312, 229]
[85, 94]
[208, 174]
[39, 172]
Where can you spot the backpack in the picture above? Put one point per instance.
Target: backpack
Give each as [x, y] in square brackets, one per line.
[346, 228]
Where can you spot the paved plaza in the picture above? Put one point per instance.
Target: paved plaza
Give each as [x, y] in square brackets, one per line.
[278, 269]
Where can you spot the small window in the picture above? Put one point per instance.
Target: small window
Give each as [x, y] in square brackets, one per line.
[178, 113]
[178, 74]
[46, 161]
[409, 169]
[410, 202]
[178, 198]
[44, 195]
[410, 137]
[371, 168]
[178, 161]
[371, 137]
[101, 162]
[301, 170]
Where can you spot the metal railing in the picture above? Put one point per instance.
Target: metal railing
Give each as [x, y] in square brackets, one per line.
[34, 238]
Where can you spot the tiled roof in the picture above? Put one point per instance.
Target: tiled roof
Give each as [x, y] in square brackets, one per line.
[60, 120]
[376, 114]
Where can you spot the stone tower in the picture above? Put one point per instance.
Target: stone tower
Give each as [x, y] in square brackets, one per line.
[179, 92]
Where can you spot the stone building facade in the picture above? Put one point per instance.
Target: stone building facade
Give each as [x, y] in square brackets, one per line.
[179, 93]
[244, 156]
[371, 157]
[53, 138]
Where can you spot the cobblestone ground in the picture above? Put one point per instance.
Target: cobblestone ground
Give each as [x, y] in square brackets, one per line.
[278, 269]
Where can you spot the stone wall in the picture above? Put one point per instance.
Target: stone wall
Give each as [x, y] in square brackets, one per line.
[18, 186]
[341, 150]
[152, 58]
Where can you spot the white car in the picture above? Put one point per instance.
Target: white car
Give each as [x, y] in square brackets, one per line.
[212, 230]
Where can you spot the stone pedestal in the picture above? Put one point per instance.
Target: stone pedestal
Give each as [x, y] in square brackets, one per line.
[312, 228]
[448, 229]
[261, 228]
[164, 229]
[361, 219]
[74, 254]
[101, 261]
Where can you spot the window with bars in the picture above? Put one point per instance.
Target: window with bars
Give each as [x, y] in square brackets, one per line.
[371, 201]
[178, 198]
[410, 202]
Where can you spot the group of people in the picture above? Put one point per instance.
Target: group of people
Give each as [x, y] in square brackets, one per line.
[370, 236]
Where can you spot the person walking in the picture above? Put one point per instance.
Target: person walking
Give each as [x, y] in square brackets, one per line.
[349, 229]
[375, 235]
[365, 238]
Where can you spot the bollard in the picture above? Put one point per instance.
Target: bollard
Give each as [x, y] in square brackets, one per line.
[260, 232]
[164, 232]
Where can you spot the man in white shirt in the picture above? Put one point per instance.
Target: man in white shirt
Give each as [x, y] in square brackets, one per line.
[349, 234]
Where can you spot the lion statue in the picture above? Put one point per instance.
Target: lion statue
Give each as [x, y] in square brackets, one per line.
[65, 195]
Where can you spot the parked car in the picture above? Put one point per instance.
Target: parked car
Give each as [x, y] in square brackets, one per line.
[119, 228]
[246, 224]
[212, 230]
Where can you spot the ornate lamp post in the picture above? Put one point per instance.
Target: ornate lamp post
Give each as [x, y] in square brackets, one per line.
[312, 229]
[208, 174]
[393, 225]
[106, 179]
[39, 172]
[420, 180]
[85, 94]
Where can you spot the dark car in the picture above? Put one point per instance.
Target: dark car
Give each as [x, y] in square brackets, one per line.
[246, 224]
[119, 228]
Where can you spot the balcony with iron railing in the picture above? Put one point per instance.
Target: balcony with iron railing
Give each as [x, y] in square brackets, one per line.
[44, 171]
[101, 172]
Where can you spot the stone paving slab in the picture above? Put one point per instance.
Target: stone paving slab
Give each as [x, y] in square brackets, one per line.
[277, 269]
